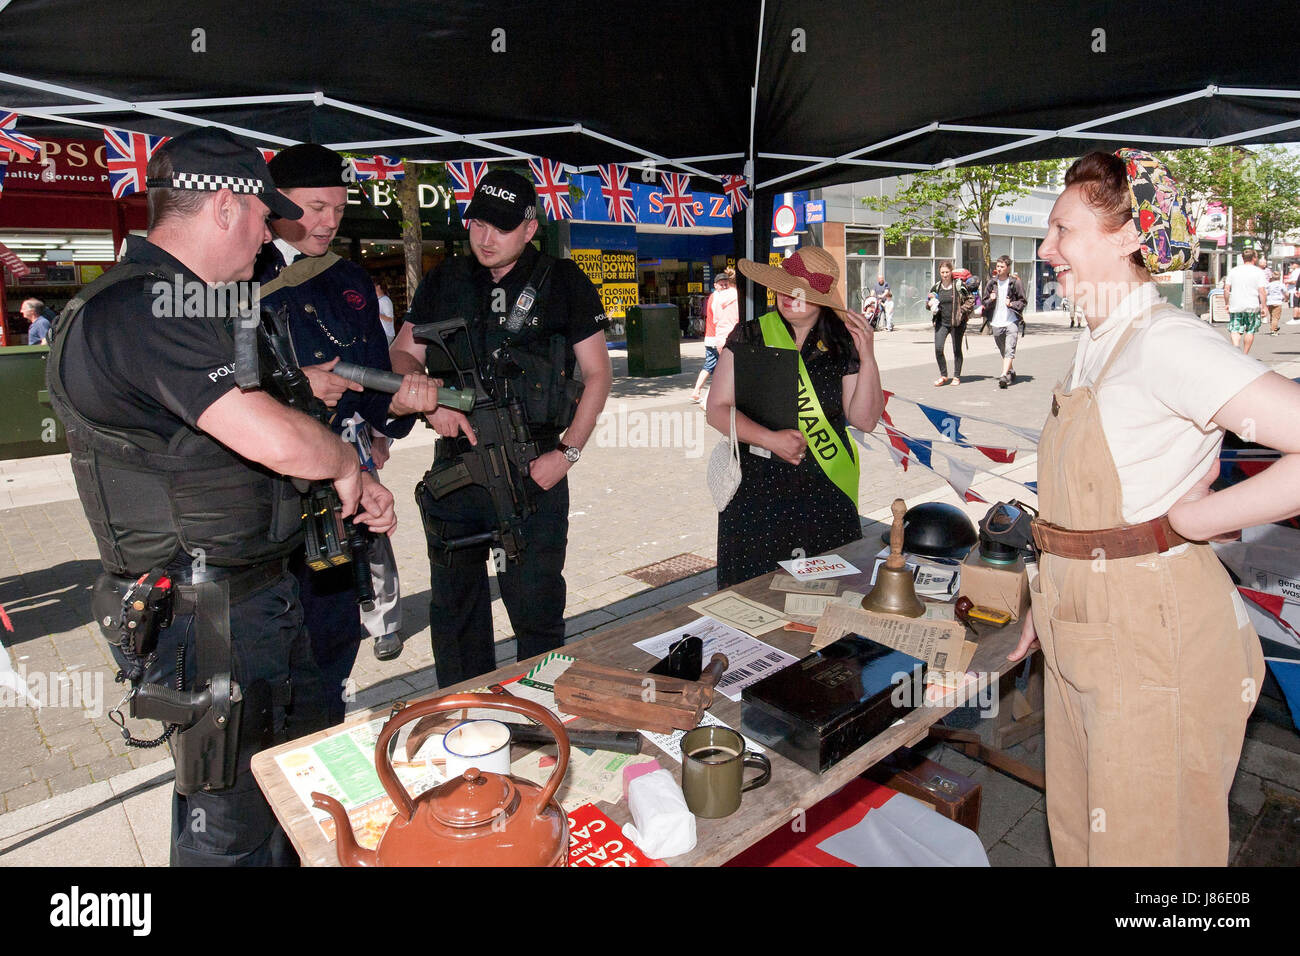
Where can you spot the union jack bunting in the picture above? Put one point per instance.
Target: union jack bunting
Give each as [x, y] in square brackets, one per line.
[3, 167]
[467, 175]
[737, 192]
[379, 167]
[618, 197]
[127, 157]
[679, 204]
[552, 187]
[267, 154]
[11, 139]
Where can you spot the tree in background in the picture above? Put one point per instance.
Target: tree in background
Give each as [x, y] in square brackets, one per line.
[1262, 187]
[947, 199]
[1276, 209]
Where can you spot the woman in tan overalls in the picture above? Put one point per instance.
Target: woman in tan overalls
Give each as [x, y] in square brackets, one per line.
[1152, 665]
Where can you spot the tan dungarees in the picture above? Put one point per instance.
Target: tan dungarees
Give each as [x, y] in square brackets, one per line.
[1152, 670]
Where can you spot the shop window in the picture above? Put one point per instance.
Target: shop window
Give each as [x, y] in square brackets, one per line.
[898, 248]
[921, 245]
[861, 243]
[943, 247]
[1024, 247]
[910, 281]
[999, 246]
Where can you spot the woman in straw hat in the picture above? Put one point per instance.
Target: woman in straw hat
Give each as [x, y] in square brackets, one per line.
[799, 496]
[1152, 664]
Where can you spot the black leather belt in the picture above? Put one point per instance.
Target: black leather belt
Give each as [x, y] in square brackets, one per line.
[242, 582]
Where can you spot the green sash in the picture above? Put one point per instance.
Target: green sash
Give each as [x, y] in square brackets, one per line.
[835, 458]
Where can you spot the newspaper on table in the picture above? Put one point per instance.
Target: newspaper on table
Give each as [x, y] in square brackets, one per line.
[343, 766]
[671, 744]
[938, 643]
[748, 659]
[592, 777]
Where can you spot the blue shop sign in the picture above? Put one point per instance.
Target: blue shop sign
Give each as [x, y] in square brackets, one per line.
[710, 209]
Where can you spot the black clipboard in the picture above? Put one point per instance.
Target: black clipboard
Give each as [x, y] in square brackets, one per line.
[767, 383]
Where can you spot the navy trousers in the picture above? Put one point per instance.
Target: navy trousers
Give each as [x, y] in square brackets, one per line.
[273, 665]
[532, 589]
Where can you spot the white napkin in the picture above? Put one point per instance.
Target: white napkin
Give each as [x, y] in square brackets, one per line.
[661, 825]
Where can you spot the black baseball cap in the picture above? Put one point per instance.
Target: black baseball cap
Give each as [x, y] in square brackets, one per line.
[309, 166]
[504, 199]
[209, 158]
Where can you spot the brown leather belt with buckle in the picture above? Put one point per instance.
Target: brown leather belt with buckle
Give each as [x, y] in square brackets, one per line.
[1129, 541]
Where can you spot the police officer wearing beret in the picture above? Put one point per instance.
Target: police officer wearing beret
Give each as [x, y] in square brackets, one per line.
[179, 469]
[333, 315]
[567, 317]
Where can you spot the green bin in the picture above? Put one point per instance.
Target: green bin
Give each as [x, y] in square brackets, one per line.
[28, 427]
[654, 340]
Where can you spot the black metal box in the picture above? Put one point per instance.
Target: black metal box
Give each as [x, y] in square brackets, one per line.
[818, 711]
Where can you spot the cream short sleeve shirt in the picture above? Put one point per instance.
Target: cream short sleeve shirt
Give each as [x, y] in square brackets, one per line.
[1159, 398]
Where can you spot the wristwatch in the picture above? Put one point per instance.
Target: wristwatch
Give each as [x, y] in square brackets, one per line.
[570, 453]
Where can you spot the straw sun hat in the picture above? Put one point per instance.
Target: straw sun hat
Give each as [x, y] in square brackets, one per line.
[810, 273]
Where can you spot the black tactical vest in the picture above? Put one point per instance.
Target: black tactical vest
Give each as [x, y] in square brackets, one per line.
[543, 383]
[156, 503]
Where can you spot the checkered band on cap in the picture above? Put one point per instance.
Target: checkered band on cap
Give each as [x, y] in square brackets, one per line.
[211, 181]
[530, 212]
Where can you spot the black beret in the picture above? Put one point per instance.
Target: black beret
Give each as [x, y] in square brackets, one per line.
[309, 166]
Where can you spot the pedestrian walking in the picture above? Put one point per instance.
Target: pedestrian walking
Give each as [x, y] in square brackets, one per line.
[1004, 297]
[1244, 290]
[951, 305]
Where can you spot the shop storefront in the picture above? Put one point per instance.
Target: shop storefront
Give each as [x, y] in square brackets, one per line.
[680, 239]
[58, 216]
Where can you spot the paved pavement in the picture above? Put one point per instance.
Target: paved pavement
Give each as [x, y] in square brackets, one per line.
[72, 793]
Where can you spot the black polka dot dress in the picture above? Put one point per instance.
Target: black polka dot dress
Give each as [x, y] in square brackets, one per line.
[781, 510]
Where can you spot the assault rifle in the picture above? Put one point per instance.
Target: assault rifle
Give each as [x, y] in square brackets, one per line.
[331, 539]
[500, 460]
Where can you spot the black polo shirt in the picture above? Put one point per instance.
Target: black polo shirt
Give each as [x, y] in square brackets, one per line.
[132, 361]
[569, 306]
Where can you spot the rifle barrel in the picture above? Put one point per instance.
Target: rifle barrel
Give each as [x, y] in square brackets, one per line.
[391, 383]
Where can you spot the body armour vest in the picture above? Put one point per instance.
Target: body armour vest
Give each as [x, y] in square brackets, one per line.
[548, 394]
[156, 503]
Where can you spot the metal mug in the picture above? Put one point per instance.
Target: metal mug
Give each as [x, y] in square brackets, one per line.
[480, 743]
[713, 766]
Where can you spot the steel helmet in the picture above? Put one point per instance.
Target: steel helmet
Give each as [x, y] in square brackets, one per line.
[937, 530]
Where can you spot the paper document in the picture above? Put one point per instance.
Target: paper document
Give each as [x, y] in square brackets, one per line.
[741, 613]
[791, 585]
[931, 579]
[938, 643]
[748, 659]
[808, 608]
[827, 566]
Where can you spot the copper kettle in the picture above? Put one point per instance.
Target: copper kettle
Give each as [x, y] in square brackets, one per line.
[476, 819]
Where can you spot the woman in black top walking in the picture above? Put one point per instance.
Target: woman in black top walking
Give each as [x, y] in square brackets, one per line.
[951, 304]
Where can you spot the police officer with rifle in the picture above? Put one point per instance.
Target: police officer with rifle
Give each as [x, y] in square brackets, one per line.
[332, 315]
[181, 475]
[510, 324]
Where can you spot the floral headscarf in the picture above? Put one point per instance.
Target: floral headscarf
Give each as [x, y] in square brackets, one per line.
[1160, 212]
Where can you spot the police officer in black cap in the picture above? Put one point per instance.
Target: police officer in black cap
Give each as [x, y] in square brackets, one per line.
[333, 315]
[564, 321]
[179, 472]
